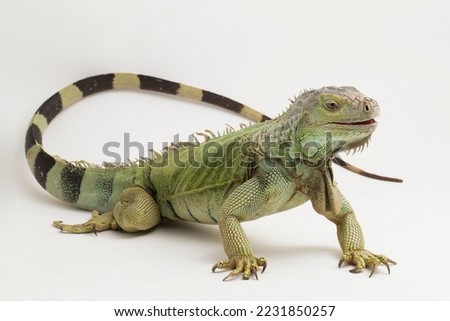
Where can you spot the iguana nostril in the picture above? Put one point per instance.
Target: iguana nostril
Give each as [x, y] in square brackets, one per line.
[367, 108]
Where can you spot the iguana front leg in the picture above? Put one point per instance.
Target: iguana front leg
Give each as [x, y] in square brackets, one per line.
[245, 202]
[260, 195]
[351, 240]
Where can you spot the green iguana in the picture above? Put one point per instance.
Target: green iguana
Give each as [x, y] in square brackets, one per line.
[242, 175]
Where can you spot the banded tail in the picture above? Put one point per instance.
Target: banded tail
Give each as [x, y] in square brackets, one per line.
[94, 187]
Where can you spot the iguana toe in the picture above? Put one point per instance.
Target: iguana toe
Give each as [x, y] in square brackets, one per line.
[363, 258]
[245, 265]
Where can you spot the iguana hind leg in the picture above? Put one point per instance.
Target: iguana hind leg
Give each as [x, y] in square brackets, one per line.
[97, 223]
[135, 211]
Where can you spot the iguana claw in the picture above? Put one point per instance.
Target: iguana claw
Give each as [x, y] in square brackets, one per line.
[364, 258]
[245, 265]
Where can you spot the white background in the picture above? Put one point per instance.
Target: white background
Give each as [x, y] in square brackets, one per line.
[261, 53]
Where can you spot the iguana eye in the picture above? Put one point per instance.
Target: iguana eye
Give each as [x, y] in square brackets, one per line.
[331, 104]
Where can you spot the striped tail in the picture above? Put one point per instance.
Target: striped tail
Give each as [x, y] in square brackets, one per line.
[94, 187]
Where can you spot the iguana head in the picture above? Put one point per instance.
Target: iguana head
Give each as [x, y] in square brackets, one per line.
[332, 119]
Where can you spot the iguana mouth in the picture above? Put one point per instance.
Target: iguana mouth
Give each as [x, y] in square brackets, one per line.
[364, 122]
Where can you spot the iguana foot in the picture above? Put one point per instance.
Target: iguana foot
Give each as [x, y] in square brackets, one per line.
[246, 265]
[363, 258]
[99, 222]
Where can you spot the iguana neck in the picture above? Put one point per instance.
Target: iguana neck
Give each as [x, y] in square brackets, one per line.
[285, 138]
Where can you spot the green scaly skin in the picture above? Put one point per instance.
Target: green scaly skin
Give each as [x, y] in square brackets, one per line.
[243, 175]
